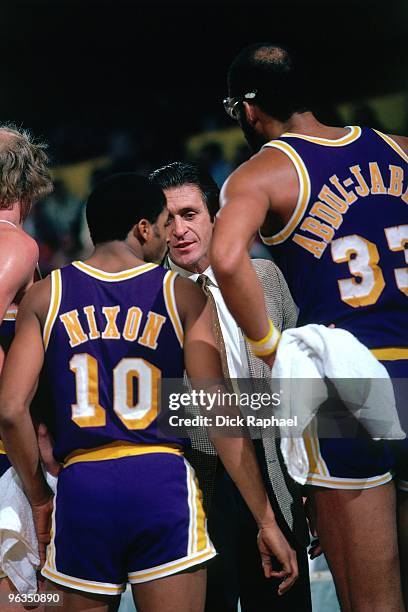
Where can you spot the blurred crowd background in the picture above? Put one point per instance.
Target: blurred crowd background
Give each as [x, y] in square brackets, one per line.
[123, 85]
[58, 222]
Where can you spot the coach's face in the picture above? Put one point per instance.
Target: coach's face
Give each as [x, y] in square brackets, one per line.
[189, 228]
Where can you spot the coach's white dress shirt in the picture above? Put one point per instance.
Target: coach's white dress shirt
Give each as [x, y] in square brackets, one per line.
[233, 338]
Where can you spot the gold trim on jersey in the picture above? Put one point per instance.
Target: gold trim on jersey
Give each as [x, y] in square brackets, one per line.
[317, 465]
[394, 145]
[319, 474]
[117, 450]
[354, 134]
[112, 277]
[84, 585]
[160, 571]
[348, 483]
[167, 569]
[202, 540]
[51, 552]
[303, 197]
[198, 539]
[11, 314]
[2, 451]
[55, 301]
[192, 513]
[391, 353]
[171, 305]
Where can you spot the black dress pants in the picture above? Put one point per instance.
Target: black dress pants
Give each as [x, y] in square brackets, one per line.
[236, 573]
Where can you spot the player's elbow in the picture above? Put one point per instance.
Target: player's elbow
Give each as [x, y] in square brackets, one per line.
[11, 411]
[224, 262]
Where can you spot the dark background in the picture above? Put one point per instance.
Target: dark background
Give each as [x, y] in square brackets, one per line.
[76, 70]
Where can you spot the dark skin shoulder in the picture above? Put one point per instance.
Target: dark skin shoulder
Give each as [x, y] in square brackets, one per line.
[402, 141]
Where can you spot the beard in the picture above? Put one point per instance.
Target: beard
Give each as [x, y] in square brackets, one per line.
[254, 139]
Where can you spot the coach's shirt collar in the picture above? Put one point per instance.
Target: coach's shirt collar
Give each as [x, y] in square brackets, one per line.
[193, 275]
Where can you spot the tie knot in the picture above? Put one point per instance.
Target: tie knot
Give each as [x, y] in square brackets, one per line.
[204, 282]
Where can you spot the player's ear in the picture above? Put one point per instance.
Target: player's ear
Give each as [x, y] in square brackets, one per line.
[142, 230]
[251, 113]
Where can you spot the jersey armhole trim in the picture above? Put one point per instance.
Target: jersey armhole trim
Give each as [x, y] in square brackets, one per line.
[171, 305]
[11, 314]
[392, 144]
[303, 197]
[55, 302]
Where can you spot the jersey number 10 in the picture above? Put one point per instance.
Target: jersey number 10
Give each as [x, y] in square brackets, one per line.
[88, 412]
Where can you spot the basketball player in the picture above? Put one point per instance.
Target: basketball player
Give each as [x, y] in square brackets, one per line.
[24, 178]
[107, 330]
[331, 202]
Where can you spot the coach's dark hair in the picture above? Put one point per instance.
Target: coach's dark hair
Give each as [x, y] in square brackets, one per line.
[179, 173]
[119, 203]
[277, 76]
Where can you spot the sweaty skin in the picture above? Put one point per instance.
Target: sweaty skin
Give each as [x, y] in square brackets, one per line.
[18, 259]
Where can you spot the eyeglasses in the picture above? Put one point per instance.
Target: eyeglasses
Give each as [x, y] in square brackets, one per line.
[231, 104]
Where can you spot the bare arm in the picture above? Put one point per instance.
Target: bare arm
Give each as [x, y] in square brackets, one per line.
[17, 387]
[265, 185]
[18, 258]
[245, 205]
[18, 383]
[402, 141]
[237, 454]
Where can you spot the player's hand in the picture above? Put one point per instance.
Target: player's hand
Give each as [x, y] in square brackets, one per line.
[42, 521]
[46, 453]
[272, 543]
[315, 549]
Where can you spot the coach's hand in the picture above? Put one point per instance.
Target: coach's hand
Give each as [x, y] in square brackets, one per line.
[272, 543]
[42, 521]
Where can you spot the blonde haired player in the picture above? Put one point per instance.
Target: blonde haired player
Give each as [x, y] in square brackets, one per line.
[24, 178]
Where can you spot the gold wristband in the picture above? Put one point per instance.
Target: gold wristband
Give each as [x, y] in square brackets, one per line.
[267, 345]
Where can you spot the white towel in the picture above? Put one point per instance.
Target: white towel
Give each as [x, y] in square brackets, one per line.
[313, 352]
[18, 541]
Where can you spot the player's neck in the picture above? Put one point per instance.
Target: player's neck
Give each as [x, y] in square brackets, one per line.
[115, 256]
[307, 124]
[11, 215]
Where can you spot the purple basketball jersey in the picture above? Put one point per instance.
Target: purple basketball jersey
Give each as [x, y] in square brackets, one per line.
[343, 250]
[7, 331]
[110, 338]
[8, 325]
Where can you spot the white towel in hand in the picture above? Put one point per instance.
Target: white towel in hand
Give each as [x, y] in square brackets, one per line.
[18, 541]
[313, 352]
